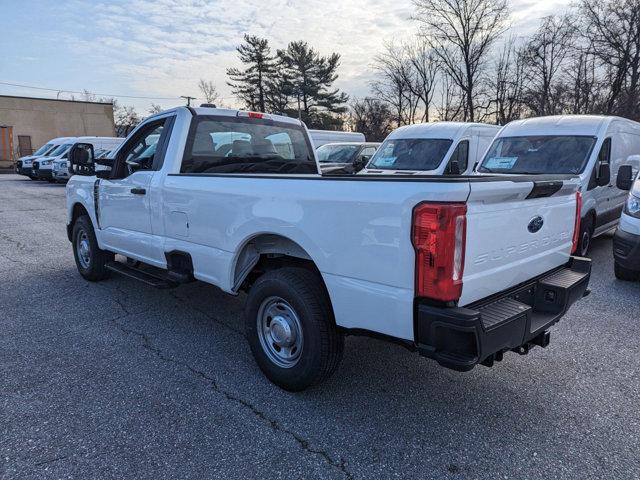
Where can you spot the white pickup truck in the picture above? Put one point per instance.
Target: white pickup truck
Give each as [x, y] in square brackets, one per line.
[461, 269]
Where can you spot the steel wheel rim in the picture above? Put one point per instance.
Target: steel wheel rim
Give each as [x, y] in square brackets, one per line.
[586, 239]
[83, 248]
[280, 332]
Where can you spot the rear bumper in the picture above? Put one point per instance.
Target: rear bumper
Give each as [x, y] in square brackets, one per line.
[626, 249]
[517, 319]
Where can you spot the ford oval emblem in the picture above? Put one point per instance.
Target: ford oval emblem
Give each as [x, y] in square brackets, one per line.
[535, 224]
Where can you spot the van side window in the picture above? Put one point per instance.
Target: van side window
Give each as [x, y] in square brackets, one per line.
[605, 152]
[604, 157]
[461, 155]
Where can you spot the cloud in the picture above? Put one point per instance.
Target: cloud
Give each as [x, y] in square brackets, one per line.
[163, 47]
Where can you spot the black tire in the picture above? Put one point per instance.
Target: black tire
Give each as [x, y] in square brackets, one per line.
[321, 350]
[625, 274]
[93, 269]
[32, 177]
[586, 235]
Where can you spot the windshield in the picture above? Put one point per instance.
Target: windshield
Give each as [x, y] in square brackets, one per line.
[43, 149]
[411, 154]
[239, 145]
[59, 150]
[336, 153]
[540, 154]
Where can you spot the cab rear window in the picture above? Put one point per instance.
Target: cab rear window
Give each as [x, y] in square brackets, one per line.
[246, 145]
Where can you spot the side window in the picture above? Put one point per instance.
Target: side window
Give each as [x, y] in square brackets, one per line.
[604, 157]
[139, 153]
[460, 155]
[368, 152]
[605, 152]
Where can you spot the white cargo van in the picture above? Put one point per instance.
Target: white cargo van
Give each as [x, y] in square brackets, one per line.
[320, 137]
[102, 146]
[24, 164]
[593, 147]
[441, 148]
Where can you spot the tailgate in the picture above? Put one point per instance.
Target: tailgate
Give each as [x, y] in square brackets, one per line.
[516, 230]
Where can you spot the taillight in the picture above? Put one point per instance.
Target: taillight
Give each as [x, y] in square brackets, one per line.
[576, 226]
[439, 236]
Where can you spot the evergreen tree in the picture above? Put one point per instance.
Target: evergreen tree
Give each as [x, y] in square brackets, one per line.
[250, 84]
[311, 79]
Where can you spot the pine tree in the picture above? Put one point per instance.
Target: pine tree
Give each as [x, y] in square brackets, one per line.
[311, 77]
[250, 84]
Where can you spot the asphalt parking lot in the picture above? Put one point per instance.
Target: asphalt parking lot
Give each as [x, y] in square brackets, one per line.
[118, 380]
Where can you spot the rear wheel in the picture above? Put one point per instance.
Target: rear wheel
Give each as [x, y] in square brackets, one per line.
[90, 259]
[290, 328]
[625, 274]
[586, 235]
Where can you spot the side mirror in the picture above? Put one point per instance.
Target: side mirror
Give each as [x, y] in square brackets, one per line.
[604, 174]
[82, 159]
[624, 181]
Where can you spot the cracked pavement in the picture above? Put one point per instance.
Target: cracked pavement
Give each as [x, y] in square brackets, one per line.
[118, 380]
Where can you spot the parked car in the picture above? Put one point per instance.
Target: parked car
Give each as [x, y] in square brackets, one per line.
[102, 148]
[321, 137]
[42, 168]
[626, 241]
[345, 157]
[24, 164]
[591, 146]
[460, 269]
[441, 148]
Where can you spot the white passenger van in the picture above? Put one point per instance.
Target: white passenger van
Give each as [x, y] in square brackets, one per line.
[593, 147]
[441, 148]
[102, 146]
[320, 137]
[24, 164]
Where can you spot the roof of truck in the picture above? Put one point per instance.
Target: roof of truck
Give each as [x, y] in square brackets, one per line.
[560, 125]
[228, 112]
[443, 130]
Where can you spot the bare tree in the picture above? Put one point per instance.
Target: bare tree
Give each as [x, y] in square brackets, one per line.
[126, 118]
[392, 84]
[154, 108]
[372, 117]
[507, 83]
[461, 33]
[545, 55]
[451, 100]
[209, 91]
[423, 73]
[613, 26]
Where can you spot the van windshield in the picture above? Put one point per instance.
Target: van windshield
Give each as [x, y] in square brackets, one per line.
[59, 150]
[539, 154]
[410, 154]
[43, 149]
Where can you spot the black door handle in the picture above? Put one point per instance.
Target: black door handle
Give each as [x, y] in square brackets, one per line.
[138, 191]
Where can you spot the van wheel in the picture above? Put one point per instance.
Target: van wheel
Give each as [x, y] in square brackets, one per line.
[624, 273]
[90, 260]
[291, 330]
[586, 235]
[32, 177]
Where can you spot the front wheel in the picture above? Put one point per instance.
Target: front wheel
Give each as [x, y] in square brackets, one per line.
[291, 330]
[90, 259]
[624, 273]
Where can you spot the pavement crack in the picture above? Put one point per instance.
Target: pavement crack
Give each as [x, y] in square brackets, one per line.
[274, 424]
[52, 460]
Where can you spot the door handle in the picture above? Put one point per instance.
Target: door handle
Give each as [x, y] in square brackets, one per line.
[138, 191]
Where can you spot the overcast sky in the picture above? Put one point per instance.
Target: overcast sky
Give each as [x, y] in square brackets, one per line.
[161, 48]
